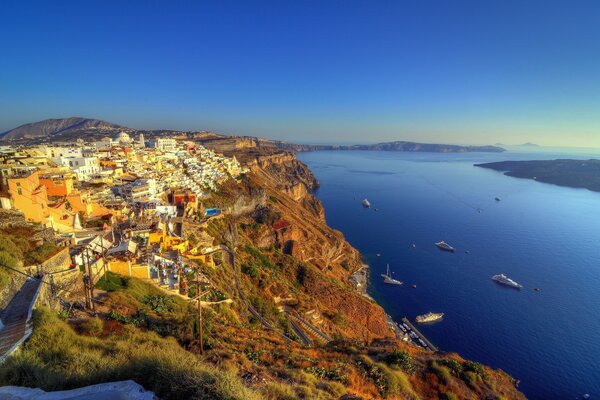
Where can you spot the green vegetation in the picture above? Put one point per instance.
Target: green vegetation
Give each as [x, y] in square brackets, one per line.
[150, 308]
[251, 271]
[160, 303]
[17, 250]
[441, 372]
[389, 382]
[301, 273]
[400, 359]
[56, 358]
[337, 373]
[93, 326]
[260, 260]
[449, 396]
[113, 282]
[265, 307]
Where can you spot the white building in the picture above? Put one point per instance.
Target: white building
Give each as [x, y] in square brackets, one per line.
[104, 144]
[57, 151]
[84, 167]
[124, 139]
[141, 190]
[166, 145]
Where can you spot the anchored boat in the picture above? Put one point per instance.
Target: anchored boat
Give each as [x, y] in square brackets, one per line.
[387, 277]
[505, 280]
[444, 246]
[429, 317]
[366, 203]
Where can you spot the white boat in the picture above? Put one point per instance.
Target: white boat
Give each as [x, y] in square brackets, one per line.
[505, 280]
[429, 317]
[387, 277]
[366, 203]
[444, 246]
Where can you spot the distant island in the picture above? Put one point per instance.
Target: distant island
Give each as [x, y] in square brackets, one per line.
[394, 146]
[529, 144]
[69, 129]
[572, 173]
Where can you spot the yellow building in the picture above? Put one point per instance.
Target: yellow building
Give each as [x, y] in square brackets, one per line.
[57, 185]
[29, 196]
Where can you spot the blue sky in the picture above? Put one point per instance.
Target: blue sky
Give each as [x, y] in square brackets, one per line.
[324, 71]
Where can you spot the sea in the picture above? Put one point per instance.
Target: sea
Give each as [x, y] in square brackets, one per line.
[541, 235]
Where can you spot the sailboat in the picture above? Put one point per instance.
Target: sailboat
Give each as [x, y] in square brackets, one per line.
[387, 277]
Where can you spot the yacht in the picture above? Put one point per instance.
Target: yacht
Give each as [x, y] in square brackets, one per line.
[387, 277]
[445, 246]
[498, 199]
[429, 317]
[366, 203]
[506, 281]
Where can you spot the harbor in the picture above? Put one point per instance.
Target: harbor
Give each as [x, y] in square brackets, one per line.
[413, 335]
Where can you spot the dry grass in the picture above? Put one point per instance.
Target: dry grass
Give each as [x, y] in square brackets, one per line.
[56, 358]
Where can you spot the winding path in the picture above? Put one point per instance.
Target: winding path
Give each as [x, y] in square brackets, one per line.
[16, 317]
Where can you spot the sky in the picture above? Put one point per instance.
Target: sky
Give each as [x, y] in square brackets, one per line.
[464, 72]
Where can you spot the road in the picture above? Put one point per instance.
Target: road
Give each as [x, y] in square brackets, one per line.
[16, 317]
[313, 329]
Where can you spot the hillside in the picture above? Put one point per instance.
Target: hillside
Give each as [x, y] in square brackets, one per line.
[570, 173]
[58, 129]
[285, 258]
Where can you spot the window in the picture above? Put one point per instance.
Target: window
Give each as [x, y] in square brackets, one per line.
[19, 191]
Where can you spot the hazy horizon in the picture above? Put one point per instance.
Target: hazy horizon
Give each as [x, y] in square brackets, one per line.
[342, 72]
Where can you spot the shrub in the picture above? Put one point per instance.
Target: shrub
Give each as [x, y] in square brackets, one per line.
[301, 273]
[278, 391]
[449, 396]
[251, 271]
[337, 373]
[56, 358]
[441, 372]
[387, 381]
[454, 366]
[472, 366]
[402, 360]
[160, 303]
[93, 326]
[260, 260]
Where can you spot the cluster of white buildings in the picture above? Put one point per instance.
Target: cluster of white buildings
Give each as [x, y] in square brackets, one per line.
[126, 168]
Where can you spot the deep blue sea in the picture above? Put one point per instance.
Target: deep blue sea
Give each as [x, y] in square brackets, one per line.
[540, 235]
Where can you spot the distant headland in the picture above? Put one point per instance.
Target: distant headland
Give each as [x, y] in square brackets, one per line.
[395, 146]
[572, 173]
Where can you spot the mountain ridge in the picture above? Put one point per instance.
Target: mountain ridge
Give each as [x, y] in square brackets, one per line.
[70, 128]
[52, 127]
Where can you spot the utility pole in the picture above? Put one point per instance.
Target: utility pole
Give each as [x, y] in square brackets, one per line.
[91, 279]
[199, 310]
[86, 290]
[104, 250]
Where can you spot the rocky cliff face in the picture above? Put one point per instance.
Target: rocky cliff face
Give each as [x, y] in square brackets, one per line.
[299, 229]
[289, 221]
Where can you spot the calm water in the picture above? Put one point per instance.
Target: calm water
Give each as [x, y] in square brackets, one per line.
[541, 235]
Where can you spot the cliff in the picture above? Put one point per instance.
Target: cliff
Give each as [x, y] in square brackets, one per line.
[306, 265]
[295, 326]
